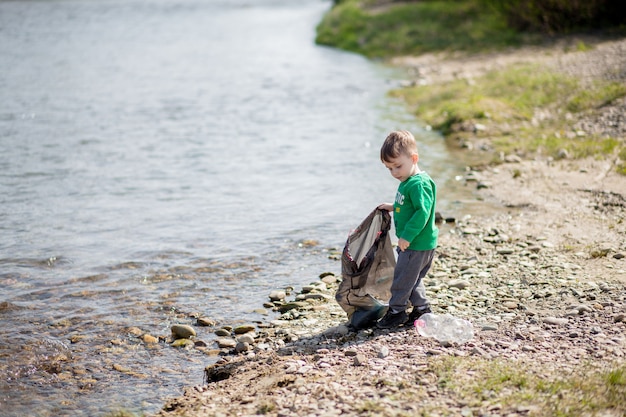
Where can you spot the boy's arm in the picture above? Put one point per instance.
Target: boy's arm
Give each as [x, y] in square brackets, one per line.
[386, 206]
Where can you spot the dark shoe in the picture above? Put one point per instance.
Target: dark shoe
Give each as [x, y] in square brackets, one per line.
[392, 320]
[417, 313]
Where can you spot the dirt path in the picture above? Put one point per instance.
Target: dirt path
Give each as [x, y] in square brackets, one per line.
[543, 283]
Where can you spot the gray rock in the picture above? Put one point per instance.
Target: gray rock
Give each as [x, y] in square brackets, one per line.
[277, 295]
[242, 347]
[359, 360]
[383, 352]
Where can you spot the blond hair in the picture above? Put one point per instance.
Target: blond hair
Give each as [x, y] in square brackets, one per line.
[398, 143]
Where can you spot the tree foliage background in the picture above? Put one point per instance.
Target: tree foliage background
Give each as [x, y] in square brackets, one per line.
[561, 16]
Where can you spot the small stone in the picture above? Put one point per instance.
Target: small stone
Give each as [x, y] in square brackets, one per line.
[244, 329]
[277, 295]
[350, 352]
[383, 352]
[246, 338]
[511, 305]
[121, 368]
[205, 321]
[317, 296]
[359, 360]
[478, 351]
[182, 343]
[555, 321]
[460, 284]
[290, 306]
[329, 279]
[226, 343]
[182, 331]
[222, 332]
[505, 251]
[242, 347]
[135, 331]
[147, 338]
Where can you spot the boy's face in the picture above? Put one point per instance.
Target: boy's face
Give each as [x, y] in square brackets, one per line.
[402, 167]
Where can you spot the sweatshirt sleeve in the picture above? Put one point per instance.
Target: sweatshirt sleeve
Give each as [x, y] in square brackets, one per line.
[422, 196]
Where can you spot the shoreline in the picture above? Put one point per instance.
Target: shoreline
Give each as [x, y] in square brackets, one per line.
[543, 283]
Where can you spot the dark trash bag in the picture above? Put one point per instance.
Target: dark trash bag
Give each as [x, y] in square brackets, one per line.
[367, 266]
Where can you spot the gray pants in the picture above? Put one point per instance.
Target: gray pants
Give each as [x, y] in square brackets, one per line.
[407, 284]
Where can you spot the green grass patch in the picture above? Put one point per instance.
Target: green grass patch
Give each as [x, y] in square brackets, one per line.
[599, 95]
[389, 29]
[525, 109]
[590, 388]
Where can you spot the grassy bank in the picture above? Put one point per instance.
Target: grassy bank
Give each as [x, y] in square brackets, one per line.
[524, 109]
[586, 389]
[382, 29]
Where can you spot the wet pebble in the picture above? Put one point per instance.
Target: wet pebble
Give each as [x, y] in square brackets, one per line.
[182, 331]
[244, 329]
[277, 295]
[222, 332]
[205, 321]
[226, 343]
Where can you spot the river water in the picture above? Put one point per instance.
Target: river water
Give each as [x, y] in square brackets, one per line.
[167, 158]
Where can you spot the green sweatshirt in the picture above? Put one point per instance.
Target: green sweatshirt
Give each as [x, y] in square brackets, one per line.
[414, 212]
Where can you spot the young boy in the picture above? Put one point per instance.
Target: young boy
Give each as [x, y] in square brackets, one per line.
[414, 218]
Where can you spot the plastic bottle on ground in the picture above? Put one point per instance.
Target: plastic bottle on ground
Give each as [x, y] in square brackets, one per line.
[445, 328]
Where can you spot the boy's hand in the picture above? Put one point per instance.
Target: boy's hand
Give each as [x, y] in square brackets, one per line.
[386, 206]
[403, 244]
